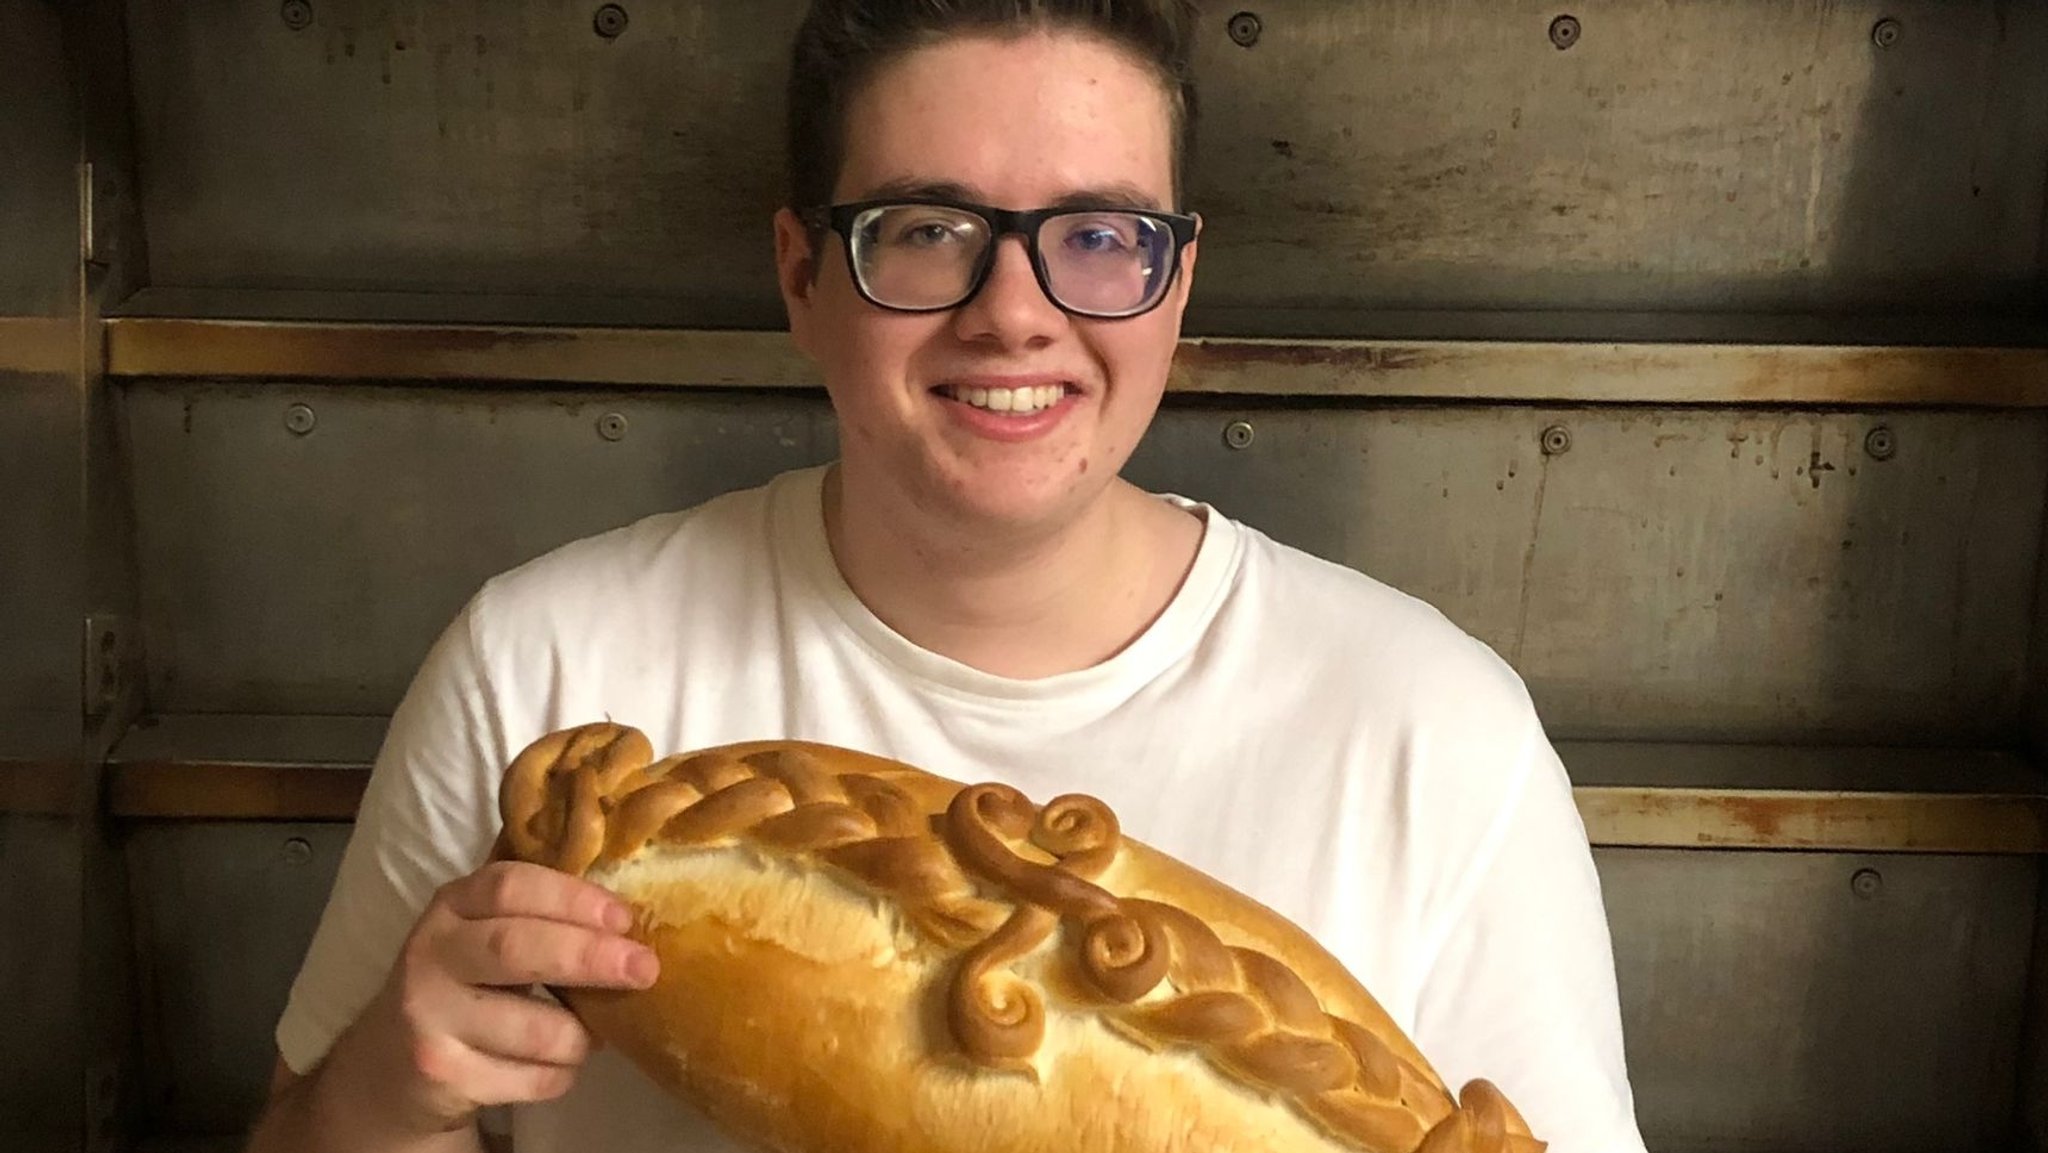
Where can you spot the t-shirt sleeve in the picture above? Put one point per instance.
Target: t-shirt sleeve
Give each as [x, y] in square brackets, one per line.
[428, 815]
[1521, 990]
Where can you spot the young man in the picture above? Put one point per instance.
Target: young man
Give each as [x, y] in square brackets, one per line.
[970, 588]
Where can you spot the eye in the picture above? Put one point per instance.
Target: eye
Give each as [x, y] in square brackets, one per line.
[929, 232]
[1097, 239]
[1100, 234]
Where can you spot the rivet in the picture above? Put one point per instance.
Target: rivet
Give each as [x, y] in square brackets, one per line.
[1880, 443]
[1866, 883]
[1564, 32]
[610, 21]
[1886, 32]
[1245, 28]
[1238, 434]
[299, 419]
[297, 14]
[297, 851]
[1557, 440]
[612, 426]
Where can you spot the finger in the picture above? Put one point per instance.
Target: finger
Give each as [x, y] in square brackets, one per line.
[527, 951]
[524, 889]
[522, 1029]
[465, 1074]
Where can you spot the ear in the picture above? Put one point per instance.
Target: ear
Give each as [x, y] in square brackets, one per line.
[1188, 253]
[795, 273]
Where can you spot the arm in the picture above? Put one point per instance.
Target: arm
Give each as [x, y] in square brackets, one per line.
[447, 1034]
[407, 1015]
[1521, 986]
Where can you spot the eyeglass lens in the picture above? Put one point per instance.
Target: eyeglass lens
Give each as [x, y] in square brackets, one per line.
[926, 256]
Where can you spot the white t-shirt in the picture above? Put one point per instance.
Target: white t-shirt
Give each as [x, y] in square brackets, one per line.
[1332, 747]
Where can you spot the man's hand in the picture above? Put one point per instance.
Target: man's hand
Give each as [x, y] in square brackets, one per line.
[465, 1033]
[452, 1029]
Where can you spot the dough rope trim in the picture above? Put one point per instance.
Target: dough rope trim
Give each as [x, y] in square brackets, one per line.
[593, 796]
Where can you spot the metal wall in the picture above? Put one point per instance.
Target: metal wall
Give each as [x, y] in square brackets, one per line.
[1744, 168]
[1760, 156]
[42, 1051]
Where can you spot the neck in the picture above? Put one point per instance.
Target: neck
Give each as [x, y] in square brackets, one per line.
[1023, 603]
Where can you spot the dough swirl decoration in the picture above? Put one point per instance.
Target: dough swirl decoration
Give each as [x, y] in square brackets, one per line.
[992, 875]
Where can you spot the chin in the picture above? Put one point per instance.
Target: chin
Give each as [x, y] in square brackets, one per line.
[1018, 501]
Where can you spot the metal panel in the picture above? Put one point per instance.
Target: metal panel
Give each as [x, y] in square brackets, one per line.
[1814, 1003]
[43, 1047]
[41, 1050]
[2034, 1053]
[467, 147]
[308, 573]
[1632, 579]
[1760, 155]
[1395, 153]
[1637, 577]
[39, 136]
[223, 915]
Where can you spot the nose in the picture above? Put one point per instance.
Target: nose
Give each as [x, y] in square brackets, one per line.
[1011, 310]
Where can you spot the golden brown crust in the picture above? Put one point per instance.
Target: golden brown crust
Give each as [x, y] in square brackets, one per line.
[990, 878]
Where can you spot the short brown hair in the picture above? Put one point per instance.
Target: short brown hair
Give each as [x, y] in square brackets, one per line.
[843, 43]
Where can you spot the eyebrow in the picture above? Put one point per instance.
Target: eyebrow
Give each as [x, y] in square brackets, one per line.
[1117, 195]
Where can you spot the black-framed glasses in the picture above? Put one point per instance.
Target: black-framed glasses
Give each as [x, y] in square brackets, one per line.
[930, 255]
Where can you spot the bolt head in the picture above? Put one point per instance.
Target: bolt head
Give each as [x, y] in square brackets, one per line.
[1245, 28]
[1557, 440]
[1866, 883]
[297, 851]
[1886, 33]
[1238, 434]
[612, 426]
[296, 14]
[610, 21]
[1564, 32]
[1880, 444]
[299, 419]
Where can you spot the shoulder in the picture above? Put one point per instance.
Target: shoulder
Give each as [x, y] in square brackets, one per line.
[1335, 626]
[658, 560]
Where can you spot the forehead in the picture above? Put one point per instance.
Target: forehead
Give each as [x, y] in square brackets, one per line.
[1017, 121]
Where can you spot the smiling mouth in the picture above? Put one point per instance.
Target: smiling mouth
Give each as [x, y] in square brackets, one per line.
[1019, 401]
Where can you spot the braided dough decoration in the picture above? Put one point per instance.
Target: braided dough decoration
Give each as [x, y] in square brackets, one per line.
[861, 956]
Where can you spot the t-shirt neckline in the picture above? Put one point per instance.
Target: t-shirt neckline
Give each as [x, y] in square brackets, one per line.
[799, 530]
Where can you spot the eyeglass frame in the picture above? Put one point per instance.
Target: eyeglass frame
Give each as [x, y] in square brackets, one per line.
[1002, 222]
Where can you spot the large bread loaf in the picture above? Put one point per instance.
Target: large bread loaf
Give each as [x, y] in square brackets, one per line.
[859, 956]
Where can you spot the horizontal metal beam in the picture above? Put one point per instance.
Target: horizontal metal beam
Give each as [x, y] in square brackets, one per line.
[1474, 370]
[41, 788]
[206, 768]
[1682, 818]
[39, 345]
[1615, 817]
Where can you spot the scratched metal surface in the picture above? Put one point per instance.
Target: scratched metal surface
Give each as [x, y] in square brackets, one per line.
[1675, 574]
[1390, 154]
[1634, 579]
[1770, 1003]
[43, 1071]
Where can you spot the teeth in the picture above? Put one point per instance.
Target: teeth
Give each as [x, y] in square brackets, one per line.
[1021, 400]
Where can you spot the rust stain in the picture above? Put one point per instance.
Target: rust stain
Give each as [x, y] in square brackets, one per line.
[1285, 354]
[1787, 820]
[1762, 816]
[202, 791]
[353, 351]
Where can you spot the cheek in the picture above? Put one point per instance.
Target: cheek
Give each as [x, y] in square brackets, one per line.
[1139, 359]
